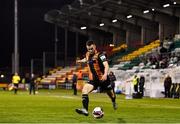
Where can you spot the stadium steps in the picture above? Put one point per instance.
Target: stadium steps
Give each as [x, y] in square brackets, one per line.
[140, 51]
[113, 59]
[57, 77]
[132, 55]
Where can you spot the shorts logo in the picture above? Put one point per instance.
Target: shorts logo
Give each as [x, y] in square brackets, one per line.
[109, 86]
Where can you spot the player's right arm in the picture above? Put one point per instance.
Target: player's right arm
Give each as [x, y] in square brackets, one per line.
[84, 60]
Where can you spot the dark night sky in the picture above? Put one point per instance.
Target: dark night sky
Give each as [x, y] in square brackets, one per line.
[35, 35]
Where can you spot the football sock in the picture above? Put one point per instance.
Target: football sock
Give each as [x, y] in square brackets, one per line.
[85, 101]
[112, 95]
[113, 99]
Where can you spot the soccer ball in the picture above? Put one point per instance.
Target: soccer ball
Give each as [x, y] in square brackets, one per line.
[98, 112]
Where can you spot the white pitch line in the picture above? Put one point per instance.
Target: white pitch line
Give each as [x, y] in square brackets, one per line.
[141, 104]
[67, 97]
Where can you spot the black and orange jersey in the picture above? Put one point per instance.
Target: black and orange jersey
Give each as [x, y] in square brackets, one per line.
[95, 65]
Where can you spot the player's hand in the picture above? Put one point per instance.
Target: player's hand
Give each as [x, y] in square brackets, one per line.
[78, 61]
[104, 77]
[81, 60]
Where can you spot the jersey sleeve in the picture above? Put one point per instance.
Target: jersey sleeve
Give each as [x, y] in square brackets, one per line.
[102, 57]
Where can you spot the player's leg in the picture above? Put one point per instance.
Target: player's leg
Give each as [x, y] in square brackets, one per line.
[106, 86]
[15, 88]
[85, 91]
[112, 96]
[30, 88]
[34, 90]
[85, 99]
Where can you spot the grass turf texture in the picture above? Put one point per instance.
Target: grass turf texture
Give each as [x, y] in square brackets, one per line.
[58, 106]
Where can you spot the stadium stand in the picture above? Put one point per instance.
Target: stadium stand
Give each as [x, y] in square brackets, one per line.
[140, 51]
[57, 77]
[127, 60]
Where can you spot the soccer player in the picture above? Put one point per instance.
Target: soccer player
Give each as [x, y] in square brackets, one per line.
[32, 84]
[15, 80]
[98, 76]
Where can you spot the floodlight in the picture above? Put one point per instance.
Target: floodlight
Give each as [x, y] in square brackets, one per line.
[83, 28]
[101, 24]
[129, 16]
[146, 11]
[166, 5]
[114, 20]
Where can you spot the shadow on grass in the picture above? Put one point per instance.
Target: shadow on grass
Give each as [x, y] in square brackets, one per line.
[120, 120]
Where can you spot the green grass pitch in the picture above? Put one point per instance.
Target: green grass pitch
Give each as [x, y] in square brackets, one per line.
[58, 106]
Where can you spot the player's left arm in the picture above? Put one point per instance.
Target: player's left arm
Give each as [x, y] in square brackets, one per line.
[106, 68]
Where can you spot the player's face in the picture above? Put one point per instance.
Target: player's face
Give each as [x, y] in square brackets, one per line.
[91, 49]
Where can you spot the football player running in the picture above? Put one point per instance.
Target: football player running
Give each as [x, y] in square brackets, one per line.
[98, 76]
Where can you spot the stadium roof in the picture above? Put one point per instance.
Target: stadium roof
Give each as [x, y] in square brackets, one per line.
[114, 15]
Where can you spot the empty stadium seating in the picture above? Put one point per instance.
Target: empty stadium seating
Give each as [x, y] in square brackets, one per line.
[57, 77]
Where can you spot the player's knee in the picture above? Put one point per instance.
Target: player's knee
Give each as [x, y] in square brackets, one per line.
[85, 91]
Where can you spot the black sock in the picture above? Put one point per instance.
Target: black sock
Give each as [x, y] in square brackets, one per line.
[113, 99]
[15, 91]
[85, 101]
[112, 95]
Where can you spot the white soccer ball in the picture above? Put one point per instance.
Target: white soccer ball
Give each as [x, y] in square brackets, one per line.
[98, 112]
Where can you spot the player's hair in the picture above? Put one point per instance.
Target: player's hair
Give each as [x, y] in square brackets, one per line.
[89, 42]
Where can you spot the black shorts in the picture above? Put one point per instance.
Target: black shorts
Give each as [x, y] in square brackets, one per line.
[16, 86]
[103, 85]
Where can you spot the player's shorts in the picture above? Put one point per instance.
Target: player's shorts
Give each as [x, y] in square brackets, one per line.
[15, 86]
[103, 85]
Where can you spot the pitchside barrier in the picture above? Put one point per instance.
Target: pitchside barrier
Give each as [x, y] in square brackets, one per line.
[154, 80]
[4, 85]
[21, 86]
